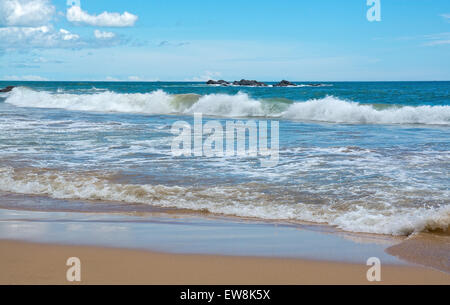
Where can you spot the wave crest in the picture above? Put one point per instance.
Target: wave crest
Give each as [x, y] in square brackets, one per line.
[331, 109]
[328, 109]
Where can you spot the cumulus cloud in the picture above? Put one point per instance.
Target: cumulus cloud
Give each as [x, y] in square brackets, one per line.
[27, 13]
[76, 15]
[28, 24]
[46, 37]
[66, 35]
[103, 35]
[37, 37]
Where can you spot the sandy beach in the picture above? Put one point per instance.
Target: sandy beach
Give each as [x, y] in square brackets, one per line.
[186, 249]
[29, 263]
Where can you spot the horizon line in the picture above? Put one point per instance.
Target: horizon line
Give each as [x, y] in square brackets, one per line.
[188, 81]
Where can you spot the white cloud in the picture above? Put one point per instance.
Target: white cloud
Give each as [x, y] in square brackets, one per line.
[76, 15]
[112, 79]
[446, 16]
[131, 78]
[207, 75]
[437, 43]
[166, 43]
[66, 35]
[134, 78]
[27, 24]
[27, 13]
[25, 78]
[46, 37]
[437, 39]
[103, 35]
[37, 37]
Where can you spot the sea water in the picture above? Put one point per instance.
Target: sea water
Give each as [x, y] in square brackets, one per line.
[362, 156]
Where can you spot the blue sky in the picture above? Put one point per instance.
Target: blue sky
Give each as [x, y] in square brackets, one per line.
[322, 40]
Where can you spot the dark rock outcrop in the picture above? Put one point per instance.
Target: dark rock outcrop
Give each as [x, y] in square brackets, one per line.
[7, 89]
[250, 83]
[242, 82]
[285, 83]
[219, 82]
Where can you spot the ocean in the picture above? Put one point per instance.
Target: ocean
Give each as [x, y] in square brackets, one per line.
[369, 157]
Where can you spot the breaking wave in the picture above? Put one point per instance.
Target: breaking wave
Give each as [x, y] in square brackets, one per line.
[328, 109]
[246, 200]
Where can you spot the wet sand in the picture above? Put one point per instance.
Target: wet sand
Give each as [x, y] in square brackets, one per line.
[161, 248]
[28, 263]
[427, 249]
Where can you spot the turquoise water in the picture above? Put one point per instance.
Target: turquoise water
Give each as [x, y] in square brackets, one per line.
[365, 157]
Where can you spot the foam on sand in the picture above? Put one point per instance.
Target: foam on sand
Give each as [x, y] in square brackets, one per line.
[245, 200]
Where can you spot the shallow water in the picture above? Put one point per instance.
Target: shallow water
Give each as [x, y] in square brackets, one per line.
[191, 235]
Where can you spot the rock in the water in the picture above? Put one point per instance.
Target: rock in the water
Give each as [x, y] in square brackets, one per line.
[219, 82]
[242, 82]
[223, 82]
[7, 89]
[251, 83]
[285, 83]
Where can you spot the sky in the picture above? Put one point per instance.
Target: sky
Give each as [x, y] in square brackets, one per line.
[267, 40]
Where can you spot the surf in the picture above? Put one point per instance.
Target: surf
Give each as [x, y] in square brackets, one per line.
[241, 105]
[244, 200]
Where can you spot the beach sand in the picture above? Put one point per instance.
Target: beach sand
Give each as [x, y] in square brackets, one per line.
[29, 263]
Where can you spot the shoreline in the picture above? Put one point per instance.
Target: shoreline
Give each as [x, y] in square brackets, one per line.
[196, 234]
[166, 247]
[38, 263]
[8, 202]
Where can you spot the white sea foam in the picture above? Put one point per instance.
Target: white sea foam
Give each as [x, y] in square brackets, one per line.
[239, 105]
[331, 109]
[328, 109]
[157, 102]
[242, 200]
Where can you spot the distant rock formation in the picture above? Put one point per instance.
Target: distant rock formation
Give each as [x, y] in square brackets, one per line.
[219, 82]
[285, 83]
[254, 83]
[7, 89]
[242, 82]
[251, 83]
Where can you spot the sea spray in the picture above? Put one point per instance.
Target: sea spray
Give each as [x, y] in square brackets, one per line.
[328, 109]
